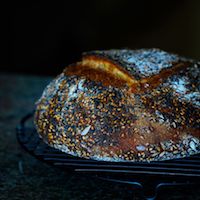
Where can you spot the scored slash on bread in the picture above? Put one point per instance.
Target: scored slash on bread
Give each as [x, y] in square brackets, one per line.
[123, 105]
[104, 65]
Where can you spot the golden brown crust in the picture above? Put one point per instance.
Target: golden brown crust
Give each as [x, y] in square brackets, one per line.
[90, 112]
[95, 75]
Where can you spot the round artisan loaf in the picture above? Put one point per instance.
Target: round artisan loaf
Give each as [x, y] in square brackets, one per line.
[123, 105]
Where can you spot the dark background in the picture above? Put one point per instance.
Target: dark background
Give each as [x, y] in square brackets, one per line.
[45, 37]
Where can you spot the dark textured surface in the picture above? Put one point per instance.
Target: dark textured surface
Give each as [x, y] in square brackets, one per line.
[24, 177]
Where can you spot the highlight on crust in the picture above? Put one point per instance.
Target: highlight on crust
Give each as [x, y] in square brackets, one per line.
[111, 73]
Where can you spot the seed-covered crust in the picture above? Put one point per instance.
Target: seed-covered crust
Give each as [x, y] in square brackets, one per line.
[105, 109]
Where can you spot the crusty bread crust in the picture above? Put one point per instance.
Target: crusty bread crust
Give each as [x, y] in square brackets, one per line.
[123, 105]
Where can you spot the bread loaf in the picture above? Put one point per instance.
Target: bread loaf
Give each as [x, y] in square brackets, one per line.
[123, 105]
